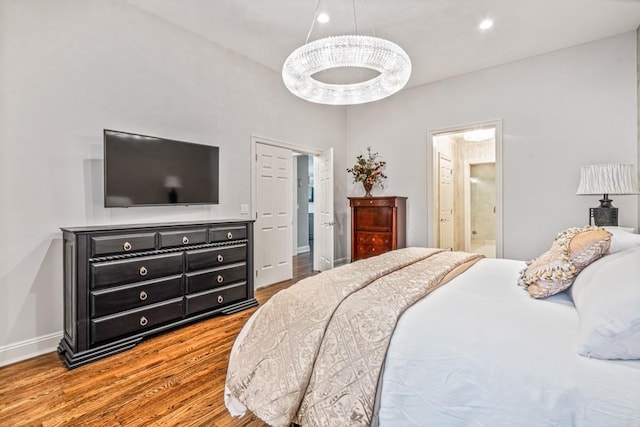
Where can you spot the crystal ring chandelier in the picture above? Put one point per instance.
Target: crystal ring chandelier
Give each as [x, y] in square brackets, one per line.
[385, 57]
[374, 53]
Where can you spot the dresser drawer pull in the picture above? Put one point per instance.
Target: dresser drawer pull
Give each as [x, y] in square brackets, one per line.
[143, 271]
[143, 295]
[229, 235]
[220, 258]
[185, 240]
[143, 321]
[220, 279]
[220, 299]
[126, 246]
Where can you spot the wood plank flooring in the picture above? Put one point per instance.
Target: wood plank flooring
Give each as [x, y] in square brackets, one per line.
[172, 379]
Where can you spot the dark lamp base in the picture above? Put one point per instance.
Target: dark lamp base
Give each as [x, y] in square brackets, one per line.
[604, 216]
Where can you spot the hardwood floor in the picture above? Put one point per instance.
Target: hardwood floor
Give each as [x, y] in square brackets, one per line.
[172, 379]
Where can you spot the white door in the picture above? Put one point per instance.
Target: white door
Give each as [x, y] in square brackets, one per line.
[274, 200]
[445, 200]
[323, 216]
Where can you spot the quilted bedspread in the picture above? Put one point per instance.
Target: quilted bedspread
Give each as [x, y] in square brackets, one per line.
[313, 353]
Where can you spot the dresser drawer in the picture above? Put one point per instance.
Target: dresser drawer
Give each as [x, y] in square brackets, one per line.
[373, 202]
[366, 251]
[104, 245]
[170, 239]
[113, 300]
[112, 273]
[135, 321]
[380, 239]
[213, 257]
[215, 298]
[204, 281]
[373, 219]
[225, 234]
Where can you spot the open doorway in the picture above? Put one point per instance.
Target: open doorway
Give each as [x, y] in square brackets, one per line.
[303, 204]
[464, 195]
[480, 222]
[274, 205]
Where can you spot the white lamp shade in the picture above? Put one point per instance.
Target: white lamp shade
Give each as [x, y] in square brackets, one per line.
[612, 178]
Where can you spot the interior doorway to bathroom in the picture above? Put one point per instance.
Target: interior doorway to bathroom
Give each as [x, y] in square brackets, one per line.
[465, 192]
[480, 221]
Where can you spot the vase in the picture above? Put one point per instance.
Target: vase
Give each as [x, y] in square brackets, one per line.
[367, 188]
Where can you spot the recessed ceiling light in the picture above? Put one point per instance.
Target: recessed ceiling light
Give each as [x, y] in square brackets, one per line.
[486, 24]
[323, 18]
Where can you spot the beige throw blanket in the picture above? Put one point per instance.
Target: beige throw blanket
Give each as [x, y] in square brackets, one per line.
[313, 353]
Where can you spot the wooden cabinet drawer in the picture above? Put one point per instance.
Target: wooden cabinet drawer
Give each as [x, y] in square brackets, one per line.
[215, 298]
[213, 257]
[135, 321]
[366, 251]
[170, 239]
[125, 243]
[113, 300]
[374, 202]
[112, 273]
[225, 234]
[206, 280]
[373, 219]
[380, 239]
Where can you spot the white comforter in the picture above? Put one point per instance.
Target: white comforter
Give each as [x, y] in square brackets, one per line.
[481, 352]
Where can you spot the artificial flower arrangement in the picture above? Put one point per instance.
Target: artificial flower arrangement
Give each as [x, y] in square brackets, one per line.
[368, 170]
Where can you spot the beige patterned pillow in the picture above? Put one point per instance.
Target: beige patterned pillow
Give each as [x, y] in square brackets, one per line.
[572, 250]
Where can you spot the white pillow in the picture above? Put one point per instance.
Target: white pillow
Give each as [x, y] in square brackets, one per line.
[607, 297]
[621, 239]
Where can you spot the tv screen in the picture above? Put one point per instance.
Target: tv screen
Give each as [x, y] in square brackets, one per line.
[144, 170]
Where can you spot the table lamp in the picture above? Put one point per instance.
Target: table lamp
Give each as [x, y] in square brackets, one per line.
[606, 179]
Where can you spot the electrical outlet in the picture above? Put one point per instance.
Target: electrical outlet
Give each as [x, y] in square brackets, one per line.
[244, 209]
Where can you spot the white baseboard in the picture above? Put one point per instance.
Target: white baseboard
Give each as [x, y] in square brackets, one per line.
[27, 349]
[303, 249]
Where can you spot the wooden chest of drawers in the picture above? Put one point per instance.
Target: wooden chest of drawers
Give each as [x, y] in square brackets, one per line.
[124, 283]
[377, 225]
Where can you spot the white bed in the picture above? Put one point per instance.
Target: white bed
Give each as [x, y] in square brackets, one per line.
[480, 351]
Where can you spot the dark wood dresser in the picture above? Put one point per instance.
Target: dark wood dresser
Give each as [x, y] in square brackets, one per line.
[378, 225]
[123, 283]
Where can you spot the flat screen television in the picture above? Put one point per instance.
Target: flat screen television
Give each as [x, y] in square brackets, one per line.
[142, 170]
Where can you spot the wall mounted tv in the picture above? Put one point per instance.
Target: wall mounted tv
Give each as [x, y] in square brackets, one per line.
[144, 170]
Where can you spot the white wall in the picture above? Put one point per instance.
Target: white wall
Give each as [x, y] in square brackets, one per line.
[69, 69]
[560, 111]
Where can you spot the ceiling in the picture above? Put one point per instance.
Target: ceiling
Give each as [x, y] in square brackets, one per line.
[441, 36]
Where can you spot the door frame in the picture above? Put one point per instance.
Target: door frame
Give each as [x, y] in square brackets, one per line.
[497, 123]
[255, 140]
